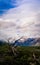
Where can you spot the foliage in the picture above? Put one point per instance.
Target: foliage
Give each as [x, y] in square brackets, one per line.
[26, 55]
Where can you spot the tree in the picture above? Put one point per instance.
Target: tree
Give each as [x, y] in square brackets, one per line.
[13, 48]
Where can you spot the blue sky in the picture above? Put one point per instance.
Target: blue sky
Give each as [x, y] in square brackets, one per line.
[5, 5]
[19, 18]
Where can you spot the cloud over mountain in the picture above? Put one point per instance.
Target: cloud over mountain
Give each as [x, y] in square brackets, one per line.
[23, 20]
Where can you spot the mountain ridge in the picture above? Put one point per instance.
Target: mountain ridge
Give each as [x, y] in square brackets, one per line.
[29, 42]
[24, 41]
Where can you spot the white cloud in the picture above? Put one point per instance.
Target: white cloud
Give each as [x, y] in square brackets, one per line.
[21, 21]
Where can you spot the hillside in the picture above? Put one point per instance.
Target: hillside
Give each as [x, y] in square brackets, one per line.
[25, 55]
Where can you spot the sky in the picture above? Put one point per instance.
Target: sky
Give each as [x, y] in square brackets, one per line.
[19, 18]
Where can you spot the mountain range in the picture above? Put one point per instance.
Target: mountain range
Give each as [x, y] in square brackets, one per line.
[28, 42]
[24, 41]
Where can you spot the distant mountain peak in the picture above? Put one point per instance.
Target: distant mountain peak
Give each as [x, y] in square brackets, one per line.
[24, 41]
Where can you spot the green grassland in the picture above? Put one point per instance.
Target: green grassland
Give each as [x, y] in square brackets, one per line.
[26, 55]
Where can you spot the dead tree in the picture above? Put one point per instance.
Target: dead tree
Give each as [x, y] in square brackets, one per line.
[14, 47]
[36, 60]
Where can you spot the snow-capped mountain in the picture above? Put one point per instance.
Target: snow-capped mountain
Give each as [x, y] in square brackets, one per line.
[24, 41]
[28, 41]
